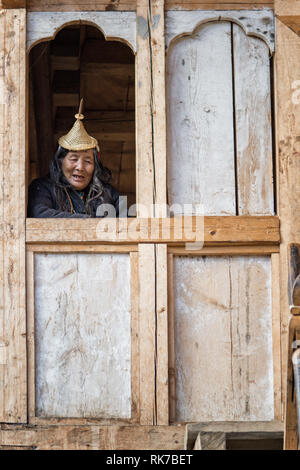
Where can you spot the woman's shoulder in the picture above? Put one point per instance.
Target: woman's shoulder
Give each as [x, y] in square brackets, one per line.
[113, 192]
[41, 183]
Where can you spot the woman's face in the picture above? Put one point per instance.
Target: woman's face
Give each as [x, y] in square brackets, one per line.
[78, 168]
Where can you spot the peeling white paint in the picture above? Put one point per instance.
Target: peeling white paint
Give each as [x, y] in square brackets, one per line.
[113, 24]
[258, 23]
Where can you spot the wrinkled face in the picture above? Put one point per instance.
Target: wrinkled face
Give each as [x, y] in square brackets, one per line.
[78, 168]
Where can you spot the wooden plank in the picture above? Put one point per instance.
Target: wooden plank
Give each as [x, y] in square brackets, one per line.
[150, 106]
[217, 230]
[96, 437]
[223, 311]
[79, 357]
[275, 268]
[13, 4]
[287, 72]
[69, 248]
[162, 335]
[148, 359]
[252, 124]
[30, 328]
[13, 395]
[158, 104]
[130, 5]
[225, 250]
[199, 109]
[135, 335]
[171, 336]
[78, 5]
[215, 4]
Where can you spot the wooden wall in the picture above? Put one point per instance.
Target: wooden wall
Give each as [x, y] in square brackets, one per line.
[223, 345]
[125, 5]
[161, 271]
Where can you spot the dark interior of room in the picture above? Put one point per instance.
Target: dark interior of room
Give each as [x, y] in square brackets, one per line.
[80, 63]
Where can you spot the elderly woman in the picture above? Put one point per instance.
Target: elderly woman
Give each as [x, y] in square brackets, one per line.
[78, 183]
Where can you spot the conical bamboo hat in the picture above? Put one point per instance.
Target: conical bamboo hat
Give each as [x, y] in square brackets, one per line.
[78, 138]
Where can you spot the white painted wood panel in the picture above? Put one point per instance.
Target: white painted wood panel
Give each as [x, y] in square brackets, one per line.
[223, 339]
[114, 24]
[82, 335]
[200, 139]
[258, 23]
[253, 124]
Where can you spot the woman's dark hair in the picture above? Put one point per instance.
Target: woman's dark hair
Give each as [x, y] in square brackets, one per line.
[101, 176]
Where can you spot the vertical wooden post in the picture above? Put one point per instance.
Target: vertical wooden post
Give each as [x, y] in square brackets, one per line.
[147, 327]
[287, 76]
[13, 397]
[150, 106]
[154, 333]
[151, 191]
[162, 335]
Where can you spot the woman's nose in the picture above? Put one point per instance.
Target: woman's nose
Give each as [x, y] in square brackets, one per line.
[79, 165]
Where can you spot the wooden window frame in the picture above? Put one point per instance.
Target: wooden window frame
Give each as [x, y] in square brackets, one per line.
[134, 321]
[241, 234]
[221, 234]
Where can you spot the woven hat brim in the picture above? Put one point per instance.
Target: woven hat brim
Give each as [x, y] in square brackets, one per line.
[75, 147]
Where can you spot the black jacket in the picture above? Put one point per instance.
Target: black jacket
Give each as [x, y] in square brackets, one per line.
[42, 200]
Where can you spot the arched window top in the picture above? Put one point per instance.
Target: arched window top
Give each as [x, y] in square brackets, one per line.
[253, 23]
[115, 25]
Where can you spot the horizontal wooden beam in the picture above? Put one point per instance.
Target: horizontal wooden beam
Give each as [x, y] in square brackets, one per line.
[217, 4]
[13, 4]
[130, 5]
[94, 437]
[213, 230]
[79, 5]
[98, 127]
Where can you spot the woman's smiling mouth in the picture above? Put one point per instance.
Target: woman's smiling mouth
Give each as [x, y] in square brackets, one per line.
[78, 177]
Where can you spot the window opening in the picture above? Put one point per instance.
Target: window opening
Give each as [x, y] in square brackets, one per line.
[80, 63]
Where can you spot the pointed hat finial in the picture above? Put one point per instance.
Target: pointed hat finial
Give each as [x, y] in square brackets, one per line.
[78, 138]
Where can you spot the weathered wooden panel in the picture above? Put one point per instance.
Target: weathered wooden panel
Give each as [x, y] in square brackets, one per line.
[150, 108]
[288, 148]
[200, 139]
[83, 339]
[253, 124]
[122, 25]
[258, 23]
[216, 4]
[96, 437]
[223, 339]
[219, 119]
[79, 5]
[13, 392]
